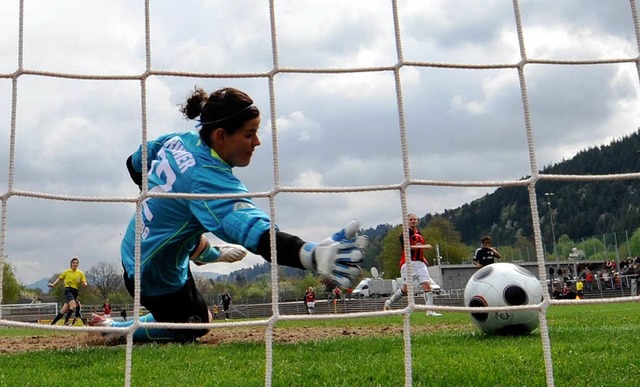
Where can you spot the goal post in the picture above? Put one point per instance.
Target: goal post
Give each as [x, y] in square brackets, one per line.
[33, 312]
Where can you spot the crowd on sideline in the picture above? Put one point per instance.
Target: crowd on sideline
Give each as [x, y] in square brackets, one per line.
[591, 276]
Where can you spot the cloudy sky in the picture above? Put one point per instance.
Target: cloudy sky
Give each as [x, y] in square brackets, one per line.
[333, 129]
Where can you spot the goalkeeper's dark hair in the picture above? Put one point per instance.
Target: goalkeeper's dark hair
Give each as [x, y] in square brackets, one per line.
[227, 108]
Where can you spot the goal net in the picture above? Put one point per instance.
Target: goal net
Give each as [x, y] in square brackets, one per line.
[417, 104]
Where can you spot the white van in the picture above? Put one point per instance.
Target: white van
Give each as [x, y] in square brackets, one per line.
[382, 287]
[417, 288]
[362, 290]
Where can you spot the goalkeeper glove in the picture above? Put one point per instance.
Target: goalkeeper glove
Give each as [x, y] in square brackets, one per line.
[337, 258]
[220, 253]
[231, 253]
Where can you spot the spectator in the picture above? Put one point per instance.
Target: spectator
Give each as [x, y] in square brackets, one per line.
[216, 310]
[226, 303]
[310, 300]
[604, 277]
[337, 294]
[589, 279]
[624, 264]
[579, 289]
[567, 293]
[617, 281]
[106, 308]
[557, 294]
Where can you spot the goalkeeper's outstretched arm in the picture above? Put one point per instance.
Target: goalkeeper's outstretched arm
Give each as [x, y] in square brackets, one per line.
[337, 258]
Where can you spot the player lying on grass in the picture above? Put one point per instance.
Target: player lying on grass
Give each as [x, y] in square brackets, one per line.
[201, 162]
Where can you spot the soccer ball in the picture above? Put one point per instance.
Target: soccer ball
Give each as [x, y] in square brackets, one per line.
[503, 284]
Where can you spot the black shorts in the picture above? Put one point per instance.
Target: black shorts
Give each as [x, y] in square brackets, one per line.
[183, 306]
[70, 294]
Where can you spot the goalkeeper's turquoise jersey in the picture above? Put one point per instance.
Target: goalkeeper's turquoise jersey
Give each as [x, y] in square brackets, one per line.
[182, 163]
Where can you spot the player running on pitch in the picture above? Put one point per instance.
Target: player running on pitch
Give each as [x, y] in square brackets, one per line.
[418, 266]
[72, 279]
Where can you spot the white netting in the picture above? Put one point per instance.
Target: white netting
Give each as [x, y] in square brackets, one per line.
[401, 188]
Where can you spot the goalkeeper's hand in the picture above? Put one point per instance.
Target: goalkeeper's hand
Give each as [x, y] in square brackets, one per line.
[337, 258]
[205, 253]
[231, 253]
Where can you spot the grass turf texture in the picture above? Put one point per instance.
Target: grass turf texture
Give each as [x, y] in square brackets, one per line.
[591, 345]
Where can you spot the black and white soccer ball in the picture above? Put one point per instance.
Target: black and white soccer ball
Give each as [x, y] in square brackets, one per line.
[503, 284]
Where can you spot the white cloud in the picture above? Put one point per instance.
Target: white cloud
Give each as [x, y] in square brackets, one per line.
[563, 42]
[459, 104]
[75, 37]
[298, 126]
[309, 179]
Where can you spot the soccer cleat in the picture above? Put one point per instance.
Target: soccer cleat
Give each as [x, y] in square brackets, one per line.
[99, 321]
[387, 305]
[434, 314]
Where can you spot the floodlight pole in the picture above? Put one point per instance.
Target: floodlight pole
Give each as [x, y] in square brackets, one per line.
[548, 195]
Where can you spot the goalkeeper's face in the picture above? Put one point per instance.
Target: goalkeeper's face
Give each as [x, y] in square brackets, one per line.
[237, 148]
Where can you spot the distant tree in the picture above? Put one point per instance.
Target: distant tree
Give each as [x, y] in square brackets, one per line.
[240, 279]
[257, 290]
[373, 251]
[524, 249]
[442, 233]
[593, 248]
[205, 285]
[37, 292]
[603, 256]
[287, 289]
[389, 258]
[508, 254]
[58, 291]
[10, 286]
[564, 246]
[634, 243]
[309, 280]
[105, 278]
[120, 297]
[578, 209]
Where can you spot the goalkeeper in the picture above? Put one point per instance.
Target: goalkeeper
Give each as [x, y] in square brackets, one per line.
[202, 162]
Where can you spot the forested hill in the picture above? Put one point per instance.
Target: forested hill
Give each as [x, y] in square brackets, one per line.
[580, 209]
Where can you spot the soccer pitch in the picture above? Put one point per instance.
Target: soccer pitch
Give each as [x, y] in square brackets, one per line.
[595, 344]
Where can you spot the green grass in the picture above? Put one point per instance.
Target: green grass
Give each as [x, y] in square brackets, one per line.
[22, 332]
[594, 345]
